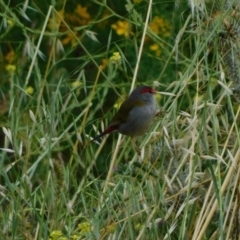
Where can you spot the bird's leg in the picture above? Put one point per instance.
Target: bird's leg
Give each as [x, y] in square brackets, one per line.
[137, 149]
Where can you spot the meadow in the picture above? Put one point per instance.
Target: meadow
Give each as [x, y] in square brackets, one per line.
[66, 67]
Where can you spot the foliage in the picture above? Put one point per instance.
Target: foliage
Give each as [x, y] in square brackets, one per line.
[64, 65]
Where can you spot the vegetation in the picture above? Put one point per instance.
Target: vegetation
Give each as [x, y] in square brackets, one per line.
[65, 69]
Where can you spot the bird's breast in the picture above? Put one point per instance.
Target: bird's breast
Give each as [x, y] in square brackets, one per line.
[139, 120]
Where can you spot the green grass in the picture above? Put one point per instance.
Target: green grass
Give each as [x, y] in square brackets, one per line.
[59, 88]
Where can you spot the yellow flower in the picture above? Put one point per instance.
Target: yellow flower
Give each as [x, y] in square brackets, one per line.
[122, 28]
[160, 26]
[11, 68]
[82, 11]
[79, 17]
[104, 63]
[137, 1]
[29, 90]
[85, 227]
[55, 235]
[155, 48]
[70, 38]
[116, 58]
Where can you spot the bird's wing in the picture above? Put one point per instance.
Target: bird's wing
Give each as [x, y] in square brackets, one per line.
[122, 114]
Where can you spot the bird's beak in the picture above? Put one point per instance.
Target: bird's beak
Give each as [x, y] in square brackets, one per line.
[153, 91]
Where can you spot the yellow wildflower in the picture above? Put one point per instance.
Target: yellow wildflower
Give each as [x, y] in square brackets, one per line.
[122, 28]
[85, 227]
[155, 48]
[70, 38]
[55, 235]
[82, 11]
[11, 68]
[160, 26]
[104, 63]
[29, 90]
[80, 17]
[116, 58]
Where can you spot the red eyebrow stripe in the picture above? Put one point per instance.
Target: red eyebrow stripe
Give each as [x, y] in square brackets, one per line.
[145, 90]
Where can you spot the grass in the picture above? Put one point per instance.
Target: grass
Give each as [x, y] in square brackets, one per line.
[59, 83]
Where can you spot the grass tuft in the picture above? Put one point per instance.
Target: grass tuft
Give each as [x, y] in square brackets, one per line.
[66, 67]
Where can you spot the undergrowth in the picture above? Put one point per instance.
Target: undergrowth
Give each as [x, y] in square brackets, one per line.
[65, 69]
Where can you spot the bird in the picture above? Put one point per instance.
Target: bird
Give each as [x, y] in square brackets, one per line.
[135, 115]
